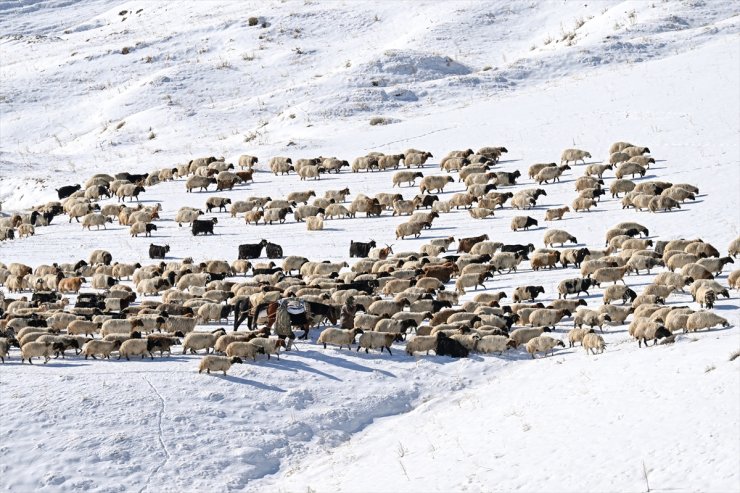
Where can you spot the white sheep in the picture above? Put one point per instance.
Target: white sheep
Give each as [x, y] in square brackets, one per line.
[435, 183]
[618, 157]
[543, 344]
[421, 343]
[338, 337]
[135, 347]
[524, 335]
[550, 173]
[480, 213]
[469, 341]
[409, 229]
[376, 340]
[194, 341]
[704, 320]
[315, 223]
[495, 344]
[242, 349]
[553, 236]
[217, 363]
[613, 274]
[574, 155]
[83, 327]
[593, 343]
[591, 318]
[629, 168]
[269, 345]
[577, 335]
[583, 204]
[546, 317]
[103, 348]
[36, 349]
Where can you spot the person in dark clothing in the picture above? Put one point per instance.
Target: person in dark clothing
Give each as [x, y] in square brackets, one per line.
[347, 314]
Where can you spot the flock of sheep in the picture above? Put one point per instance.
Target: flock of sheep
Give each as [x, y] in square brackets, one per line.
[400, 294]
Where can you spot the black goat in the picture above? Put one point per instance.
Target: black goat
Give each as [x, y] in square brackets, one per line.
[360, 249]
[203, 226]
[157, 251]
[251, 250]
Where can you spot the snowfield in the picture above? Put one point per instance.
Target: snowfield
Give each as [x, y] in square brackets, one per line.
[537, 78]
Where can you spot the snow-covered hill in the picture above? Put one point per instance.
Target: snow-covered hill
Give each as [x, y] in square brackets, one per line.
[197, 79]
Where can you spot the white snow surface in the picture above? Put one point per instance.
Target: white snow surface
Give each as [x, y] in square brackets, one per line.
[534, 77]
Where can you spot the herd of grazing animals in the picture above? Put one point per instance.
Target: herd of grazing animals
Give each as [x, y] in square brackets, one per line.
[138, 310]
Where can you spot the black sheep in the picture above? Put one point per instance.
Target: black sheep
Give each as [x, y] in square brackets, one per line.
[449, 347]
[361, 249]
[273, 250]
[67, 190]
[158, 251]
[251, 250]
[201, 226]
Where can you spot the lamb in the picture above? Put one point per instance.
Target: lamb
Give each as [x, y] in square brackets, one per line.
[92, 219]
[704, 320]
[543, 344]
[242, 349]
[553, 236]
[593, 343]
[375, 340]
[434, 183]
[522, 293]
[195, 341]
[551, 173]
[70, 284]
[217, 363]
[556, 213]
[546, 317]
[523, 222]
[606, 274]
[574, 155]
[631, 169]
[421, 343]
[583, 203]
[409, 229]
[591, 318]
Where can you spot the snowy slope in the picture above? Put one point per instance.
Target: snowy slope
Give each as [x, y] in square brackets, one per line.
[665, 76]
